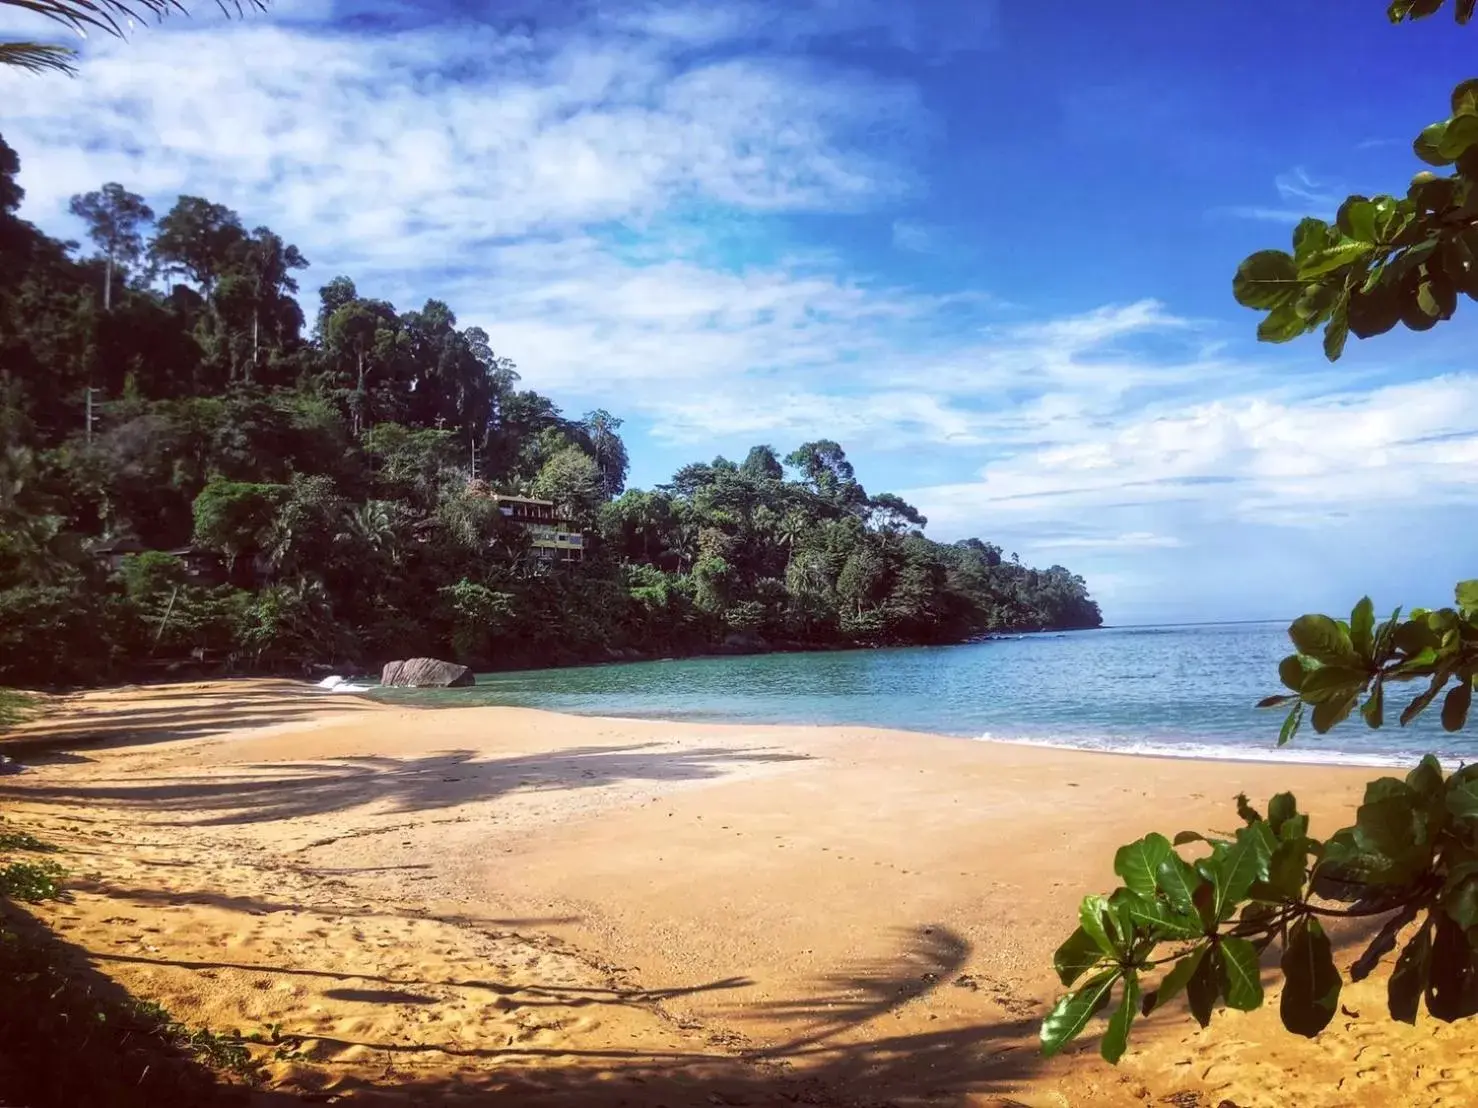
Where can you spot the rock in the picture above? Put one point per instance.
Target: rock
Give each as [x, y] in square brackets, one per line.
[426, 673]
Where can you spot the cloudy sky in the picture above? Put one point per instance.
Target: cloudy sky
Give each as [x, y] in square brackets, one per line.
[988, 247]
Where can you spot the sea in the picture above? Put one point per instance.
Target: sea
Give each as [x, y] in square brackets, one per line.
[1182, 691]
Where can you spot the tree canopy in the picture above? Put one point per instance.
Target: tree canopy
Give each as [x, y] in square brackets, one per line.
[340, 464]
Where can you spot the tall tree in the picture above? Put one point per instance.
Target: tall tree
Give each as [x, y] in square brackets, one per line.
[609, 451]
[196, 239]
[114, 218]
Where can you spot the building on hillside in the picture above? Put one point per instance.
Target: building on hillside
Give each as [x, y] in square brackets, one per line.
[553, 541]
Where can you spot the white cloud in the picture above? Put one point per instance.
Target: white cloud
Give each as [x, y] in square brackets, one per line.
[1304, 194]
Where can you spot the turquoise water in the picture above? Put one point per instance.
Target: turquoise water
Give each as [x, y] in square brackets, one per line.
[1185, 691]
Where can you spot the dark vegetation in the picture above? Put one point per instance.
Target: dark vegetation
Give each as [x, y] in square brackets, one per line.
[1409, 865]
[326, 485]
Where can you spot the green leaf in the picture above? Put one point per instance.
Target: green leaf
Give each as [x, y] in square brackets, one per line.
[1116, 1039]
[1139, 862]
[1387, 826]
[1426, 778]
[1322, 639]
[1246, 812]
[1332, 683]
[1356, 220]
[1329, 714]
[1312, 984]
[1282, 808]
[1462, 793]
[1383, 943]
[1374, 309]
[1090, 915]
[1287, 869]
[1291, 671]
[1072, 1013]
[1455, 705]
[1460, 133]
[1460, 899]
[1283, 324]
[1428, 144]
[1202, 987]
[1467, 597]
[1178, 880]
[1075, 957]
[1419, 704]
[1337, 330]
[1409, 978]
[1291, 724]
[1241, 979]
[1174, 981]
[1362, 628]
[1452, 980]
[1465, 97]
[1374, 708]
[1245, 861]
[1329, 259]
[1277, 701]
[1267, 280]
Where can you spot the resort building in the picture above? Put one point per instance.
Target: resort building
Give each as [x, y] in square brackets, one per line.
[552, 540]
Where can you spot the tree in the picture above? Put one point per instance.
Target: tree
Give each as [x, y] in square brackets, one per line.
[196, 239]
[573, 480]
[82, 15]
[113, 216]
[1411, 857]
[602, 428]
[762, 464]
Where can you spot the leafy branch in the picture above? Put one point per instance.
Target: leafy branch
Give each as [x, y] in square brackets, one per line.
[113, 17]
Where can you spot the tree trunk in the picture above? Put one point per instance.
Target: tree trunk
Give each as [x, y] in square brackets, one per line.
[108, 286]
[255, 340]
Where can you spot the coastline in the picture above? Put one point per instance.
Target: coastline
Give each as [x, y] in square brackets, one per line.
[574, 909]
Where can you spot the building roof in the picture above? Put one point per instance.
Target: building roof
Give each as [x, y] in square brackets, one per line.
[512, 499]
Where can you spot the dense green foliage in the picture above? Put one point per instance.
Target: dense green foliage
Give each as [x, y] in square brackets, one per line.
[343, 476]
[1410, 861]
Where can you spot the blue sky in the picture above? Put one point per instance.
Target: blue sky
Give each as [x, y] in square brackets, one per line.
[988, 247]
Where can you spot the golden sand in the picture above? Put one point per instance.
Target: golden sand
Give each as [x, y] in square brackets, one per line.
[503, 906]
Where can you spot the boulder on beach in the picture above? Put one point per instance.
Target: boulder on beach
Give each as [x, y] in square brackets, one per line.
[426, 673]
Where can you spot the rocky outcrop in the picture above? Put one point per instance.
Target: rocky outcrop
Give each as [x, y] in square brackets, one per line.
[426, 673]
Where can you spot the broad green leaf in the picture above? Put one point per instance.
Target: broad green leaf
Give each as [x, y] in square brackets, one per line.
[1328, 714]
[1278, 701]
[1428, 144]
[1465, 97]
[1312, 235]
[1283, 324]
[1467, 597]
[1183, 837]
[1426, 778]
[1383, 943]
[1245, 861]
[1374, 708]
[1452, 977]
[1455, 706]
[1332, 683]
[1292, 670]
[1072, 1013]
[1091, 918]
[1245, 811]
[1374, 309]
[1178, 880]
[1331, 258]
[1139, 862]
[1356, 220]
[1462, 793]
[1460, 133]
[1362, 628]
[1287, 869]
[1337, 330]
[1385, 637]
[1460, 900]
[1312, 984]
[1116, 1039]
[1436, 297]
[1323, 639]
[1409, 978]
[1075, 957]
[1281, 809]
[1419, 704]
[1267, 280]
[1291, 724]
[1241, 980]
[1203, 985]
[1387, 826]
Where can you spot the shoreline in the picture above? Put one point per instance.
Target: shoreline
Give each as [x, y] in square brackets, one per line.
[550, 909]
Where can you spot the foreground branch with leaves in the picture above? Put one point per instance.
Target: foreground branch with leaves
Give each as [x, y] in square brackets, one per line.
[1196, 914]
[113, 17]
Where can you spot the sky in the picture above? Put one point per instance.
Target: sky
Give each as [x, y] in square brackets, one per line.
[987, 247]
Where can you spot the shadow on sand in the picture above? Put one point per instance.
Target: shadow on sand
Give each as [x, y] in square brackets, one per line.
[283, 791]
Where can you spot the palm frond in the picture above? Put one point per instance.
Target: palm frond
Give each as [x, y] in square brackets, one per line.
[105, 15]
[38, 57]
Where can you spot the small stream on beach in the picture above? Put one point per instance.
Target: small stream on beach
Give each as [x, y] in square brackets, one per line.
[1175, 691]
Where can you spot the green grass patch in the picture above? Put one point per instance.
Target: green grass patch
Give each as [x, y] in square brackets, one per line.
[24, 840]
[15, 706]
[32, 882]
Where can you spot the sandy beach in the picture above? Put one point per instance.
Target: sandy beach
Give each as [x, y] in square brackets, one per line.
[505, 906]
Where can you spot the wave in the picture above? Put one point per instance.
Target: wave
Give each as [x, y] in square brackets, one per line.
[342, 685]
[1222, 752]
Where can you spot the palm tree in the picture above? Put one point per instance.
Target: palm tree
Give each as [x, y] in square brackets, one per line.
[83, 15]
